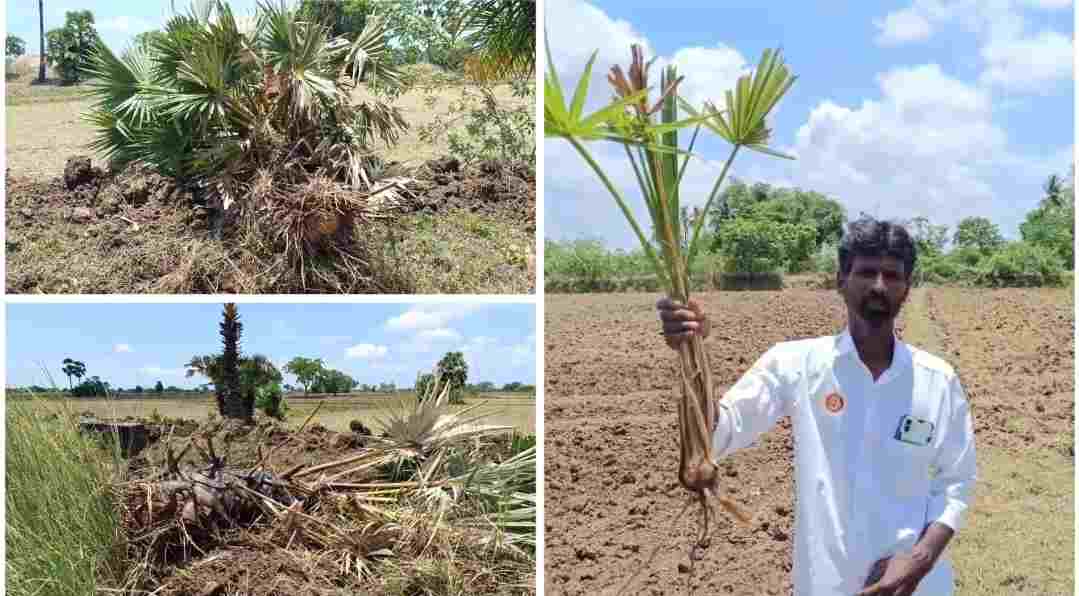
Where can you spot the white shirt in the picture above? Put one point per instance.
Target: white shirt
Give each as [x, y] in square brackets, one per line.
[861, 493]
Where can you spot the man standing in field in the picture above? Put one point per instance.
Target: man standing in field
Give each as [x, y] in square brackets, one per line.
[884, 441]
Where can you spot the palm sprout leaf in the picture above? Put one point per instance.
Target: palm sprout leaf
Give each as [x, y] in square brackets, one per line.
[742, 123]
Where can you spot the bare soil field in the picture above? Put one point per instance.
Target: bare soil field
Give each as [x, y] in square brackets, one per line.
[457, 228]
[612, 455]
[335, 413]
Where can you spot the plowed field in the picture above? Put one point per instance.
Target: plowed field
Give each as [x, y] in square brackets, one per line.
[611, 449]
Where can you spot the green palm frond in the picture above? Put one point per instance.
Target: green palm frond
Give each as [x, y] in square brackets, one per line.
[504, 34]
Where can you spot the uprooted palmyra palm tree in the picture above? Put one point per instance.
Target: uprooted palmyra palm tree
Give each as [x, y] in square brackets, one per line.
[255, 116]
[352, 509]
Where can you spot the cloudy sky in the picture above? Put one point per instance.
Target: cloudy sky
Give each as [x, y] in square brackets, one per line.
[139, 344]
[941, 108]
[117, 21]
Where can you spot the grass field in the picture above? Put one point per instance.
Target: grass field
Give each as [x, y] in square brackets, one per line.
[335, 414]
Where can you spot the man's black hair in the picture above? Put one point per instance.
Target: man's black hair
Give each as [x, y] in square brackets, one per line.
[868, 237]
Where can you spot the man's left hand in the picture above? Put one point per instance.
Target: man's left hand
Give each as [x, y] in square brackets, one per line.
[901, 576]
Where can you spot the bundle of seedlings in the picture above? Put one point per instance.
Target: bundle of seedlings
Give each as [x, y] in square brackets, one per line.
[339, 520]
[652, 147]
[255, 117]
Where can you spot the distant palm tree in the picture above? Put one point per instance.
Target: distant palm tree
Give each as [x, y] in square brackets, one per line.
[230, 362]
[1054, 191]
[41, 67]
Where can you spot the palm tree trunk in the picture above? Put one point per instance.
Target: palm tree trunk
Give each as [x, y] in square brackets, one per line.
[41, 66]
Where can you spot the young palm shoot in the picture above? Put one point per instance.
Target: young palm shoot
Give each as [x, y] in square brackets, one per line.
[649, 133]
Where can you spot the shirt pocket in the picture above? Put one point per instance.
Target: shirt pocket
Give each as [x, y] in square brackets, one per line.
[906, 468]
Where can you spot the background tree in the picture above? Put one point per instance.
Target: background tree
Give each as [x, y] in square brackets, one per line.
[70, 46]
[138, 389]
[929, 239]
[15, 46]
[159, 387]
[453, 369]
[978, 233]
[231, 397]
[333, 381]
[73, 368]
[345, 18]
[1051, 225]
[306, 370]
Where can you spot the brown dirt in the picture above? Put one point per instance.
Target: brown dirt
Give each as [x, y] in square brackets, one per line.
[611, 450]
[135, 232]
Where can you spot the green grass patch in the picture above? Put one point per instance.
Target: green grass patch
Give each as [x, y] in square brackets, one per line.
[62, 525]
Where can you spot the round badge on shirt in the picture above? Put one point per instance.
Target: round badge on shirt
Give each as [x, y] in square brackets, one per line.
[834, 403]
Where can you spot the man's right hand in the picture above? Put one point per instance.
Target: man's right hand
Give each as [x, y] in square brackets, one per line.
[680, 321]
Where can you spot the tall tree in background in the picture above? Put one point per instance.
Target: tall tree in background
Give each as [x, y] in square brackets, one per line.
[306, 370]
[978, 233]
[15, 46]
[453, 369]
[41, 48]
[73, 368]
[231, 396]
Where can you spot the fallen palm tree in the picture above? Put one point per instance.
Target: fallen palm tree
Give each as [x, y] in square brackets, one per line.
[652, 147]
[416, 488]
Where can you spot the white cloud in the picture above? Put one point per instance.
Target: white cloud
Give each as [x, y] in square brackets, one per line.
[125, 24]
[1013, 58]
[902, 26]
[709, 72]
[429, 317]
[122, 349]
[367, 351]
[1028, 63]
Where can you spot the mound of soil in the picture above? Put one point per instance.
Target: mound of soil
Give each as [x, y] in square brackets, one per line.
[135, 231]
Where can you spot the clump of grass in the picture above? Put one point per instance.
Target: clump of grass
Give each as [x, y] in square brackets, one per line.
[62, 525]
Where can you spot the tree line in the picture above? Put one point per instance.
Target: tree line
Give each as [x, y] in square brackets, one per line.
[765, 229]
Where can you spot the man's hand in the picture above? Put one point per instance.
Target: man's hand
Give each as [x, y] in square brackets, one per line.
[680, 322]
[898, 575]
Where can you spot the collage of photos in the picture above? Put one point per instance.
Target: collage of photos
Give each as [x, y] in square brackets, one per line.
[518, 297]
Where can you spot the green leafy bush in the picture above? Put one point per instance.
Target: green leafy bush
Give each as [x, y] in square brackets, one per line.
[271, 400]
[759, 246]
[1022, 265]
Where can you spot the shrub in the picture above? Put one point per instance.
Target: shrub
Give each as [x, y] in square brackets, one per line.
[62, 524]
[759, 246]
[1022, 265]
[271, 400]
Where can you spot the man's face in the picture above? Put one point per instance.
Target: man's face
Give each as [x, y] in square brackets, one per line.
[875, 289]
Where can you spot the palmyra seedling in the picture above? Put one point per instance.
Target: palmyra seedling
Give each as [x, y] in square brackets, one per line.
[652, 149]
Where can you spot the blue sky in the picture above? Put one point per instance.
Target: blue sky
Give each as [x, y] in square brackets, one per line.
[116, 21]
[129, 344]
[937, 108]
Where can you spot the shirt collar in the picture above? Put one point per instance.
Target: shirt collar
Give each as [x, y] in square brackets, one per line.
[902, 357]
